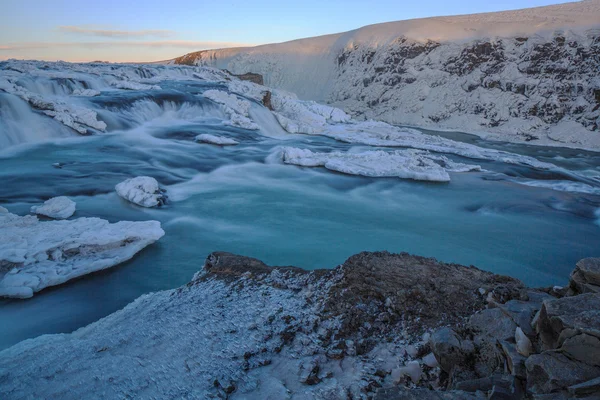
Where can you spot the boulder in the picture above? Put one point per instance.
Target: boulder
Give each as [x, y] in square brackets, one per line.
[522, 312]
[514, 361]
[446, 347]
[584, 348]
[585, 278]
[590, 387]
[552, 371]
[562, 318]
[493, 323]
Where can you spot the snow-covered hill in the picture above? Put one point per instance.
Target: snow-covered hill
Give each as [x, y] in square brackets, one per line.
[526, 75]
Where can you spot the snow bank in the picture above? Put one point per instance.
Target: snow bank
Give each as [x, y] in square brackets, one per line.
[35, 255]
[57, 207]
[213, 139]
[142, 190]
[522, 76]
[406, 164]
[235, 107]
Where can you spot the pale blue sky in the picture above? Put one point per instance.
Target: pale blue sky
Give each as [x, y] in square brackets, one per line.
[150, 30]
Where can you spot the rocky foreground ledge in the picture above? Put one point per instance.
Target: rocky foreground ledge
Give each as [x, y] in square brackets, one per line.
[380, 326]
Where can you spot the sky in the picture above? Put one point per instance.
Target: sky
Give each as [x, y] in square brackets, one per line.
[154, 30]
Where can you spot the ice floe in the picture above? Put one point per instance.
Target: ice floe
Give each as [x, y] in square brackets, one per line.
[213, 139]
[406, 164]
[35, 255]
[60, 207]
[142, 190]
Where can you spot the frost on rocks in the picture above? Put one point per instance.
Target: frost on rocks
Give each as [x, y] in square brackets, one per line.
[238, 109]
[35, 255]
[213, 139]
[143, 191]
[241, 329]
[407, 164]
[57, 207]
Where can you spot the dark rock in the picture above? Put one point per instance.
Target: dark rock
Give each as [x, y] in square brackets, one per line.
[585, 278]
[402, 393]
[586, 388]
[435, 293]
[267, 100]
[583, 347]
[562, 318]
[494, 323]
[514, 361]
[501, 393]
[227, 265]
[522, 312]
[446, 347]
[552, 371]
[484, 384]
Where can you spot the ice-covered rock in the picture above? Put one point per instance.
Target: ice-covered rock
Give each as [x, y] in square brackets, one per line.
[142, 190]
[129, 85]
[272, 333]
[57, 207]
[237, 108]
[407, 164]
[35, 255]
[86, 92]
[213, 139]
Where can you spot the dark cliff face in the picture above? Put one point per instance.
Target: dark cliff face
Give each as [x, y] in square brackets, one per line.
[553, 79]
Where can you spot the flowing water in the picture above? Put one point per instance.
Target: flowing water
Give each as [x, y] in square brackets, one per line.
[242, 199]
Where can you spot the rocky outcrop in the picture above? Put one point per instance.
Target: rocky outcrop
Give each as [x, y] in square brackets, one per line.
[545, 344]
[380, 326]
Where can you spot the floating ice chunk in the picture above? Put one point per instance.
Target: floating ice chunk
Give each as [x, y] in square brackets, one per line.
[407, 164]
[218, 140]
[142, 190]
[129, 85]
[237, 109]
[86, 92]
[35, 255]
[374, 133]
[3, 210]
[57, 207]
[561, 186]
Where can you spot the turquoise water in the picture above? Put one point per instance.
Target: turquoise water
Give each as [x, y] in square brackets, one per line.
[241, 199]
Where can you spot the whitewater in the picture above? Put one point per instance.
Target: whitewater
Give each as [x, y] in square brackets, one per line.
[287, 181]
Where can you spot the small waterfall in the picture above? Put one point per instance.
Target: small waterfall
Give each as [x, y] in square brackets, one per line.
[20, 124]
[57, 86]
[151, 109]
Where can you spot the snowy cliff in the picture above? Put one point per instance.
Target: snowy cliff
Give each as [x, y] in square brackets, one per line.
[526, 75]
